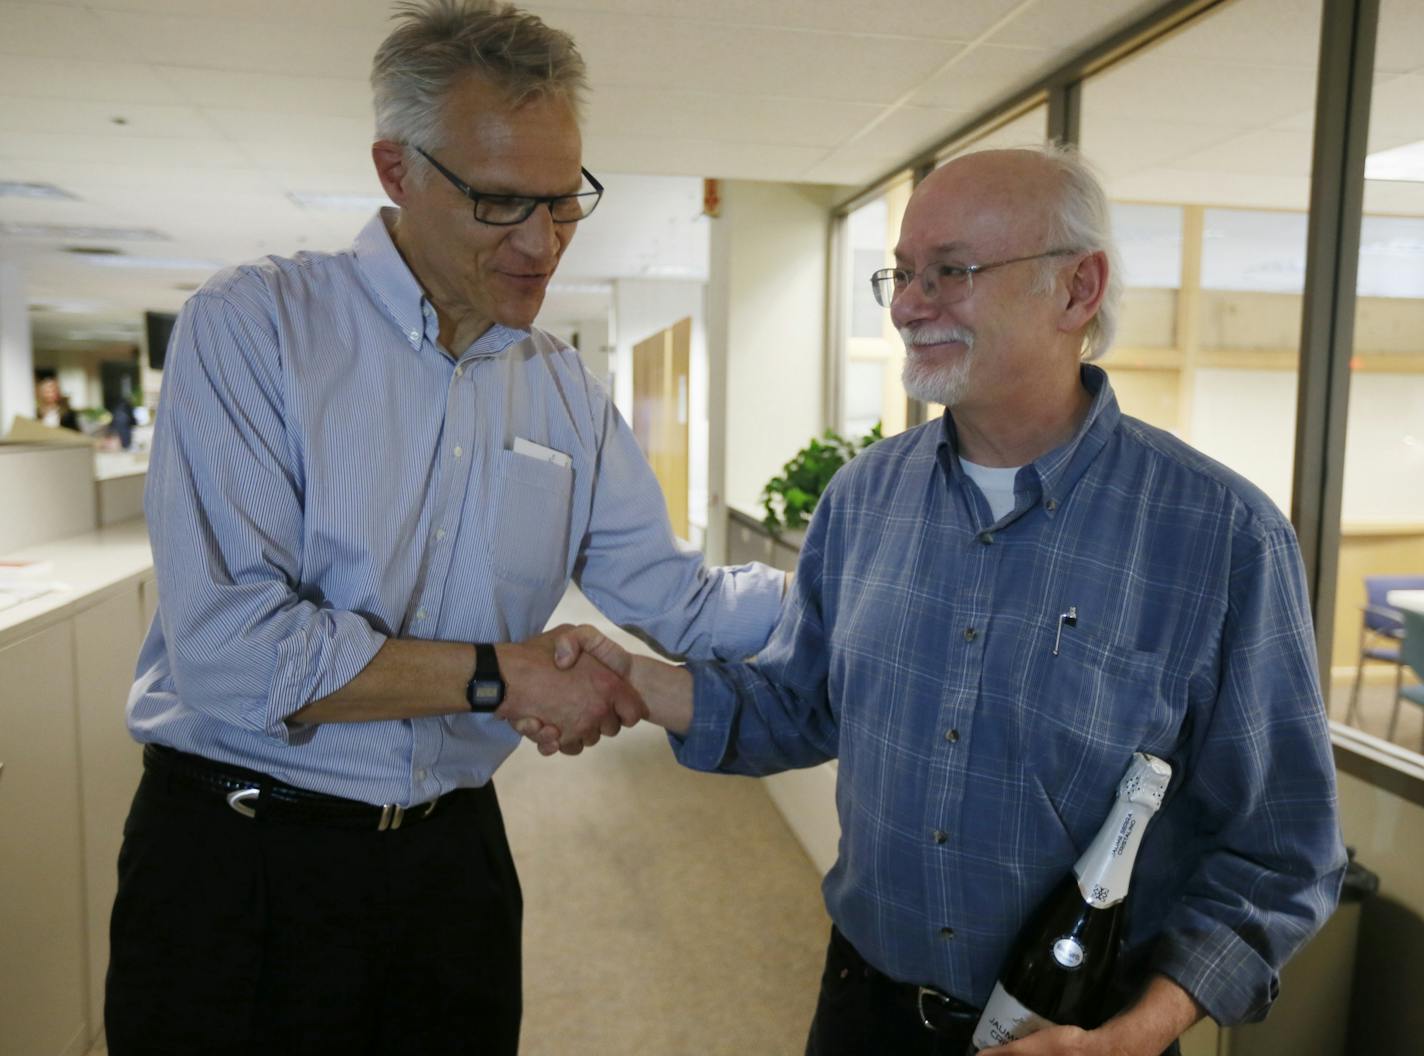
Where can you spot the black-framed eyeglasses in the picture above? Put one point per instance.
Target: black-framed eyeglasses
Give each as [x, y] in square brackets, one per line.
[506, 210]
[944, 283]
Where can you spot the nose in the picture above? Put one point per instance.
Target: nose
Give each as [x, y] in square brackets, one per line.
[913, 304]
[538, 236]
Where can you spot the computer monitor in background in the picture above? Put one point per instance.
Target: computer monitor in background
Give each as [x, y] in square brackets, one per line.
[160, 327]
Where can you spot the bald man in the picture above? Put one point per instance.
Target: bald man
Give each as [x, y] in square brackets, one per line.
[992, 613]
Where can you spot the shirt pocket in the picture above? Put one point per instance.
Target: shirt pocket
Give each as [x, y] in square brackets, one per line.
[1084, 712]
[531, 540]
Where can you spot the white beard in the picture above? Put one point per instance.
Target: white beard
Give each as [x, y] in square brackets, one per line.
[936, 384]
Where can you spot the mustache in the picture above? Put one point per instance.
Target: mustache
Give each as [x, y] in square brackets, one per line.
[936, 335]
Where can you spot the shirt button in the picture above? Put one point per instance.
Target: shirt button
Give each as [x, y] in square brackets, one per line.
[459, 450]
[951, 736]
[419, 775]
[946, 933]
[1051, 504]
[986, 537]
[420, 614]
[440, 533]
[459, 372]
[940, 836]
[970, 634]
[414, 335]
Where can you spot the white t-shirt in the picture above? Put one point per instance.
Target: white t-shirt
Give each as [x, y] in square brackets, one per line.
[996, 484]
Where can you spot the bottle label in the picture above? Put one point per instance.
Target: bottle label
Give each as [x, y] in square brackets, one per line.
[1005, 1020]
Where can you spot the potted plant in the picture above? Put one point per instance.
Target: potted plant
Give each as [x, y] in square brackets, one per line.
[789, 498]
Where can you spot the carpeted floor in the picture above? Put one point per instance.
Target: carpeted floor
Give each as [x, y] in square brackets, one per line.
[666, 912]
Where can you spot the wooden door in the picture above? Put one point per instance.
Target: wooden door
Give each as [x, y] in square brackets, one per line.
[660, 395]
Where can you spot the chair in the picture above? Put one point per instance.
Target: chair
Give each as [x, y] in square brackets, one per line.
[1380, 635]
[1412, 650]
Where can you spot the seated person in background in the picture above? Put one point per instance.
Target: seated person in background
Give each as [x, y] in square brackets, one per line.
[980, 735]
[52, 406]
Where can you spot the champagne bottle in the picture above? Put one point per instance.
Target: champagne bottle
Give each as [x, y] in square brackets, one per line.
[1062, 959]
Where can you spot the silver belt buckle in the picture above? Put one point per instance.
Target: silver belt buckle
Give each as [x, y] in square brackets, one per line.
[929, 991]
[238, 801]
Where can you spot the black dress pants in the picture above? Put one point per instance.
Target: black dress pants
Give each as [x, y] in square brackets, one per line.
[240, 935]
[862, 1012]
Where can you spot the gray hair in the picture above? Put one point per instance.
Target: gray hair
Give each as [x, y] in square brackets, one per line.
[438, 42]
[1081, 219]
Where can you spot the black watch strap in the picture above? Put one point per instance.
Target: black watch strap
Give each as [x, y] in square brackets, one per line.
[485, 691]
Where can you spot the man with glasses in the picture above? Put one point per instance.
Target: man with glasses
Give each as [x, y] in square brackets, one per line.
[372, 476]
[991, 614]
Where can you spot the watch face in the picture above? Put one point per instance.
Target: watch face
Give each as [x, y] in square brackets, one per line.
[488, 694]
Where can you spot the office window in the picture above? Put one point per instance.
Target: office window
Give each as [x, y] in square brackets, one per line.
[1382, 506]
[1204, 141]
[871, 349]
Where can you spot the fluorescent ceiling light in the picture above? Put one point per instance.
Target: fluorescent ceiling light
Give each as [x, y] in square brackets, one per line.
[338, 203]
[1404, 164]
[155, 263]
[20, 189]
[80, 233]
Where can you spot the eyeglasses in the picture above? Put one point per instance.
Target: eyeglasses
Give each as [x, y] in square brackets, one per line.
[506, 210]
[945, 283]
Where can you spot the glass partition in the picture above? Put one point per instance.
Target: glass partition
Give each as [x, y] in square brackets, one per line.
[1204, 143]
[1382, 506]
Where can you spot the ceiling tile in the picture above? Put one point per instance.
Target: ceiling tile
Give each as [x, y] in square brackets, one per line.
[1253, 32]
[1151, 88]
[618, 110]
[270, 92]
[308, 49]
[1248, 190]
[32, 77]
[122, 150]
[1260, 151]
[53, 31]
[87, 118]
[1067, 27]
[911, 19]
[718, 59]
[673, 156]
[983, 74]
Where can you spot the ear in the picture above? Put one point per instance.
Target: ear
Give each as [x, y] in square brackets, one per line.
[1086, 287]
[391, 169]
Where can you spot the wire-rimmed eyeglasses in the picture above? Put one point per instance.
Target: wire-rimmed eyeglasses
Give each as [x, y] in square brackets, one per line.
[944, 283]
[506, 210]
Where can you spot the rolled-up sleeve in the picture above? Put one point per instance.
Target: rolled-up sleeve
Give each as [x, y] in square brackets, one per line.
[639, 575]
[246, 644]
[1264, 785]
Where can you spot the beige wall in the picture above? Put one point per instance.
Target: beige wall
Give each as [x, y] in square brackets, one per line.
[765, 334]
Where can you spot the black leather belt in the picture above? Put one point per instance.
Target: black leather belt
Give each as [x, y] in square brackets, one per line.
[938, 1012]
[253, 794]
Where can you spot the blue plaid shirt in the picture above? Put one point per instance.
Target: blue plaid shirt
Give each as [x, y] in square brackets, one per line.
[975, 764]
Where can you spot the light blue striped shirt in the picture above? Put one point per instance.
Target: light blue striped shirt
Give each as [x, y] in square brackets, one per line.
[325, 477]
[980, 746]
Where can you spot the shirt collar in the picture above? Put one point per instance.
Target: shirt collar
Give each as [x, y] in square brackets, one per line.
[395, 285]
[1057, 471]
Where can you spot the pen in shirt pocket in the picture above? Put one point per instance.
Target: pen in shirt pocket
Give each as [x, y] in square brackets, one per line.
[1065, 619]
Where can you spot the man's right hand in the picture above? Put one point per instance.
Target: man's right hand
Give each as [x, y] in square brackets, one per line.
[583, 701]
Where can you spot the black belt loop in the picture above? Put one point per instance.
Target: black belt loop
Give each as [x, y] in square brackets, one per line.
[261, 797]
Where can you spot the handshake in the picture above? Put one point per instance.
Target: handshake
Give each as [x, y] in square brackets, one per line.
[571, 686]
